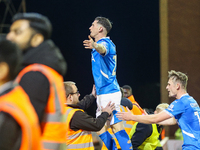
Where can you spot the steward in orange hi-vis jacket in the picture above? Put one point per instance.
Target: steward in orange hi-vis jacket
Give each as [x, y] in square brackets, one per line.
[54, 122]
[17, 104]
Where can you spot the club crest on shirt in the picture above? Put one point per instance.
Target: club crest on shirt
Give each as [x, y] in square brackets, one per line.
[171, 107]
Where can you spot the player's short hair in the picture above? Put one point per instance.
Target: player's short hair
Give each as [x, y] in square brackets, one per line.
[11, 55]
[68, 87]
[105, 22]
[128, 87]
[177, 76]
[162, 107]
[39, 23]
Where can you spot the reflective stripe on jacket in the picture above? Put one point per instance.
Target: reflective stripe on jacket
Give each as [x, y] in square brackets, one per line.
[54, 121]
[80, 140]
[18, 105]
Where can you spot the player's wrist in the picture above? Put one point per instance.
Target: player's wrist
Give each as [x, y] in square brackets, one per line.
[94, 45]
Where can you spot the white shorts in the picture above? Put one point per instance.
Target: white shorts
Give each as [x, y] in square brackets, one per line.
[104, 99]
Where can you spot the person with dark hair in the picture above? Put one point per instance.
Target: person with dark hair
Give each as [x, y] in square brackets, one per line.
[137, 110]
[13, 60]
[17, 129]
[127, 91]
[104, 65]
[184, 109]
[79, 123]
[42, 74]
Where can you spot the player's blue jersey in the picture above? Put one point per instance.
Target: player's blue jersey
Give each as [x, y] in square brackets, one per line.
[104, 68]
[187, 113]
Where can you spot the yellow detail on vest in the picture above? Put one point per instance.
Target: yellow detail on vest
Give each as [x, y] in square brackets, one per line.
[151, 142]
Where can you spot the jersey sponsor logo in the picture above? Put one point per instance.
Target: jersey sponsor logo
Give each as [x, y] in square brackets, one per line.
[194, 105]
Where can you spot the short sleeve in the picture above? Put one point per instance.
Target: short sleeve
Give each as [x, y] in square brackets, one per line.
[176, 108]
[106, 45]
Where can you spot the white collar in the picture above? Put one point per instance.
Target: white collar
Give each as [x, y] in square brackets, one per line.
[183, 95]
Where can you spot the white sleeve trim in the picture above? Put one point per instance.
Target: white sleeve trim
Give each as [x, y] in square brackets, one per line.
[169, 113]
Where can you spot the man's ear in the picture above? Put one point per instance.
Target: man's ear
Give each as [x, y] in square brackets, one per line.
[70, 97]
[101, 29]
[178, 86]
[4, 72]
[37, 40]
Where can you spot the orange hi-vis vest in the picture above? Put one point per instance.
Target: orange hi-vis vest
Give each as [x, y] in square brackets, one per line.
[79, 140]
[17, 104]
[136, 107]
[54, 121]
[136, 110]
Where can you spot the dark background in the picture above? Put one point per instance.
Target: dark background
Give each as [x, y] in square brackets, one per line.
[135, 33]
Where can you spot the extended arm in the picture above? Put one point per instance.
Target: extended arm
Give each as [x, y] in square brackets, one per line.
[148, 119]
[90, 44]
[88, 100]
[81, 120]
[170, 121]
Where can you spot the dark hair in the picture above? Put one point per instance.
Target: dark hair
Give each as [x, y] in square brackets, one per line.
[38, 23]
[12, 55]
[127, 87]
[105, 22]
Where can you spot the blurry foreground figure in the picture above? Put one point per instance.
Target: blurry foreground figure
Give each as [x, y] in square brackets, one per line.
[19, 124]
[42, 75]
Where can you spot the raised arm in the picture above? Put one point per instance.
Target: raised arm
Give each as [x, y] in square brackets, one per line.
[90, 44]
[88, 100]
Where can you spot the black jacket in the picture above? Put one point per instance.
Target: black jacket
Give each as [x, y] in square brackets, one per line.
[35, 84]
[142, 132]
[82, 120]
